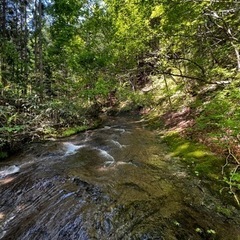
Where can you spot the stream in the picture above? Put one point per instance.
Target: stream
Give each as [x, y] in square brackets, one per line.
[115, 182]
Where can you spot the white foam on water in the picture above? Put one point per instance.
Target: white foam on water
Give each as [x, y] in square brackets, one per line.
[10, 170]
[108, 164]
[72, 148]
[122, 163]
[106, 155]
[2, 227]
[26, 164]
[122, 130]
[116, 143]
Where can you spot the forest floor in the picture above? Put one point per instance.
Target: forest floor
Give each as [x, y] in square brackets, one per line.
[184, 122]
[210, 116]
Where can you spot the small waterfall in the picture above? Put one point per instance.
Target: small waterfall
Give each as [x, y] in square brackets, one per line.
[106, 155]
[116, 143]
[10, 170]
[71, 148]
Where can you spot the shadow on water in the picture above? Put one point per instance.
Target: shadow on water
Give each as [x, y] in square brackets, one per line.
[115, 182]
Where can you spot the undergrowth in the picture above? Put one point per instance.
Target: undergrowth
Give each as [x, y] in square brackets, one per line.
[218, 126]
[214, 117]
[30, 120]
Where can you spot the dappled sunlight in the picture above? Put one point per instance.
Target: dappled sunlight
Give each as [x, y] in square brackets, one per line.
[6, 180]
[122, 178]
[181, 148]
[198, 154]
[21, 207]
[119, 119]
[105, 169]
[112, 166]
[188, 150]
[2, 216]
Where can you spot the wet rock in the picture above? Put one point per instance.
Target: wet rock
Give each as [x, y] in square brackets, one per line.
[80, 182]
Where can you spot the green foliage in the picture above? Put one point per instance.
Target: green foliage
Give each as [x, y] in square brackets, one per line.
[236, 178]
[222, 113]
[77, 54]
[220, 73]
[3, 155]
[102, 87]
[233, 180]
[134, 99]
[13, 129]
[63, 112]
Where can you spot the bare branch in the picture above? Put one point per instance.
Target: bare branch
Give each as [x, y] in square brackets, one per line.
[182, 76]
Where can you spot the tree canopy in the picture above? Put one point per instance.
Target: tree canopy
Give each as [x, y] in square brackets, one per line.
[64, 61]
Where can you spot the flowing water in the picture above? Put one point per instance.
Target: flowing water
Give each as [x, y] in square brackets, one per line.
[115, 182]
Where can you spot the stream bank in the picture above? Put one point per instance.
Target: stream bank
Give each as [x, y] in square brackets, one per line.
[115, 182]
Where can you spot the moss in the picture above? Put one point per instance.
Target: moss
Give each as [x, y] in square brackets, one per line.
[225, 211]
[203, 162]
[77, 129]
[73, 130]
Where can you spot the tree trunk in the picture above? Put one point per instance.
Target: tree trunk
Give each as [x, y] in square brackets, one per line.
[168, 92]
[40, 42]
[38, 48]
[3, 39]
[26, 57]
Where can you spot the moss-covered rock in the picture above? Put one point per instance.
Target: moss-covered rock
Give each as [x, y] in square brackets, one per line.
[202, 161]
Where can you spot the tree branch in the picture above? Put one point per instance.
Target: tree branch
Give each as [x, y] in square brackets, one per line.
[181, 75]
[189, 60]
